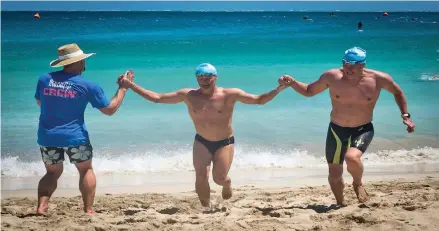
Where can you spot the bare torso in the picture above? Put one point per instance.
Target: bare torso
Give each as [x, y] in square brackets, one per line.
[212, 115]
[353, 101]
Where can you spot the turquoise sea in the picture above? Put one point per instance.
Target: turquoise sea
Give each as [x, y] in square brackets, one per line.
[250, 50]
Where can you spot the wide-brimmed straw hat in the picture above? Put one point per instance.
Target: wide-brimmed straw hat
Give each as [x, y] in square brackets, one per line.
[68, 54]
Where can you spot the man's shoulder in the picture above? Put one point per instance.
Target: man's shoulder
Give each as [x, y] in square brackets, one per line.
[332, 75]
[231, 90]
[186, 90]
[63, 76]
[48, 75]
[80, 80]
[333, 72]
[378, 75]
[46, 78]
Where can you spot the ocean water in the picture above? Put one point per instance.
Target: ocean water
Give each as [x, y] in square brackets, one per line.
[250, 50]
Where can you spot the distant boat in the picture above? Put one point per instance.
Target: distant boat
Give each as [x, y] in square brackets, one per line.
[386, 14]
[37, 16]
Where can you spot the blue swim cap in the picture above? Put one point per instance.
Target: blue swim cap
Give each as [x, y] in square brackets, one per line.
[205, 69]
[355, 55]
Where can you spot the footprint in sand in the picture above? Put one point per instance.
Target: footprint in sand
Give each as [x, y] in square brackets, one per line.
[169, 210]
[214, 208]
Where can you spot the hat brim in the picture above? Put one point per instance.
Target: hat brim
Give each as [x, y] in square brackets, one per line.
[60, 63]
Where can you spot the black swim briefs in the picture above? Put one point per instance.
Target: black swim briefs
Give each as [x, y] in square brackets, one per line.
[339, 139]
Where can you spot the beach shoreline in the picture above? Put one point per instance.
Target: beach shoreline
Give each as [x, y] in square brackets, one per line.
[183, 181]
[399, 202]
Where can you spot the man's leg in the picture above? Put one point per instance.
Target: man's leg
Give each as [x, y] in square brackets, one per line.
[336, 145]
[201, 160]
[87, 184]
[221, 165]
[336, 182]
[356, 169]
[47, 186]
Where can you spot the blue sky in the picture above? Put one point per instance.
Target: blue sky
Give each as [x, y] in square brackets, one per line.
[222, 5]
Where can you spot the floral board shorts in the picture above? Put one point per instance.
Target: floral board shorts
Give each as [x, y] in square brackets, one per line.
[55, 155]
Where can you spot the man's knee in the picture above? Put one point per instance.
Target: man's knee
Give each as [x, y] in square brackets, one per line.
[220, 179]
[54, 170]
[202, 177]
[84, 167]
[53, 176]
[353, 157]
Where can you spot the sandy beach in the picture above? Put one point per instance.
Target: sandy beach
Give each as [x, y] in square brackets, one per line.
[409, 203]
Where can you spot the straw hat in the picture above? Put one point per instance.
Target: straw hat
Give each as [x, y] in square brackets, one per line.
[69, 54]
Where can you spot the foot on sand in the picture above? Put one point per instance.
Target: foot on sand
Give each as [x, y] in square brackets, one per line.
[227, 192]
[361, 193]
[205, 203]
[342, 203]
[41, 211]
[90, 211]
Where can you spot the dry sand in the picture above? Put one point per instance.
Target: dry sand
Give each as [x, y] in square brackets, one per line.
[394, 205]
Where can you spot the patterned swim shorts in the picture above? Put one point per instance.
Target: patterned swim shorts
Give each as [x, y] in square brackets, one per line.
[55, 155]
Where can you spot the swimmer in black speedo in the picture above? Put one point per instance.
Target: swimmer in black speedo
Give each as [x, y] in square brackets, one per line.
[213, 146]
[211, 110]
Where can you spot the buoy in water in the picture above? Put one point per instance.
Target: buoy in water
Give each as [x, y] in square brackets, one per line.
[385, 14]
[37, 16]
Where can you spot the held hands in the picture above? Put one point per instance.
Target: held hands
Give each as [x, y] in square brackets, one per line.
[285, 81]
[126, 80]
[409, 123]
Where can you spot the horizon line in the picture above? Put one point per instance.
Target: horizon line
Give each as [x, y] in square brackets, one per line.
[322, 11]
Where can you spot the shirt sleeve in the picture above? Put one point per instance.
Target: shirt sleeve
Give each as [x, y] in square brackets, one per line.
[37, 91]
[97, 97]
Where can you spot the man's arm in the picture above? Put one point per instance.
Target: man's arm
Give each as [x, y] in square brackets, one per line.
[391, 86]
[99, 99]
[169, 98]
[386, 82]
[314, 88]
[247, 98]
[37, 93]
[115, 102]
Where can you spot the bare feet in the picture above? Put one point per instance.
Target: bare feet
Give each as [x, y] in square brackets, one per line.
[90, 211]
[342, 203]
[43, 206]
[361, 193]
[42, 209]
[227, 192]
[205, 203]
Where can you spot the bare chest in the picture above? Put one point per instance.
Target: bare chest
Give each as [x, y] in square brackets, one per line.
[365, 92]
[214, 107]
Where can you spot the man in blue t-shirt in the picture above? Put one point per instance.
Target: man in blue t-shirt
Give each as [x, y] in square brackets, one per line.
[63, 97]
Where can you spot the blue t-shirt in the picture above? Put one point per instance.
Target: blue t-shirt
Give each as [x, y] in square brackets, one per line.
[64, 97]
